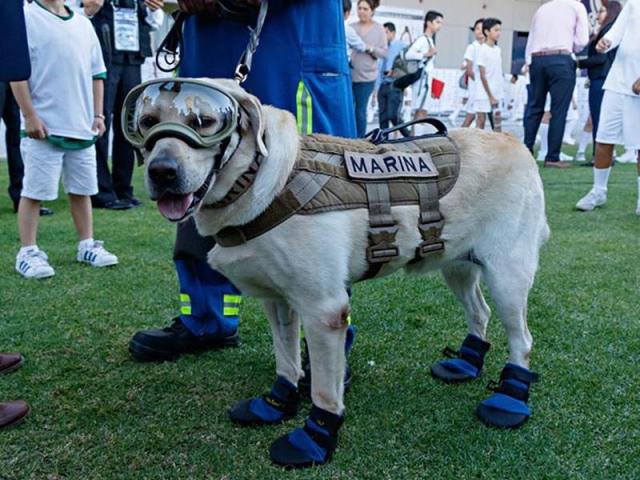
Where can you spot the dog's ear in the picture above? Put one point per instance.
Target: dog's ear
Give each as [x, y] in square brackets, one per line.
[253, 107]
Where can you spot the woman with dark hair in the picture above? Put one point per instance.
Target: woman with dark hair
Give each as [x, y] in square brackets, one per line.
[599, 64]
[424, 49]
[365, 64]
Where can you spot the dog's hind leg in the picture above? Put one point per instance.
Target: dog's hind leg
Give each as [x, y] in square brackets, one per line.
[283, 400]
[509, 280]
[466, 363]
[325, 325]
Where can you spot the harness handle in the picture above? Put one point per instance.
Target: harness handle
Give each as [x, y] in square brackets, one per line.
[379, 135]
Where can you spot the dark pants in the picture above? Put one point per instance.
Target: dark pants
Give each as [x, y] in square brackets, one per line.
[117, 183]
[361, 93]
[389, 106]
[11, 116]
[596, 94]
[555, 74]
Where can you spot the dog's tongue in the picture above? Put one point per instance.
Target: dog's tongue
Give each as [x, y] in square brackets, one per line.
[174, 207]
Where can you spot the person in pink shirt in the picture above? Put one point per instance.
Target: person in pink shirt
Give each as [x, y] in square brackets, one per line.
[558, 28]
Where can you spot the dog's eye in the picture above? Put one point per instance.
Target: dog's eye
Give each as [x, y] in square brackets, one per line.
[201, 123]
[147, 122]
[207, 122]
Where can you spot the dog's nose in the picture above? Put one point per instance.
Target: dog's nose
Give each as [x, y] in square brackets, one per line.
[163, 171]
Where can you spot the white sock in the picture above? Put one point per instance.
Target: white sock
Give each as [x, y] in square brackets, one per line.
[568, 131]
[24, 250]
[601, 178]
[585, 139]
[87, 242]
[544, 138]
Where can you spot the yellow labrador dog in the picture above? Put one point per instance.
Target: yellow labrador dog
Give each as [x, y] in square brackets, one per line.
[200, 138]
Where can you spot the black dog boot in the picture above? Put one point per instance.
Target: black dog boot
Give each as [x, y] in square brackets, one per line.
[507, 407]
[465, 364]
[281, 403]
[311, 445]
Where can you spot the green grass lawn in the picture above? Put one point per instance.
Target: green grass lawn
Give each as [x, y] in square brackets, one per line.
[99, 414]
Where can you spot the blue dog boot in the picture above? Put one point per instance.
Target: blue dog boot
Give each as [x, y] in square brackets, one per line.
[281, 403]
[465, 364]
[311, 445]
[507, 407]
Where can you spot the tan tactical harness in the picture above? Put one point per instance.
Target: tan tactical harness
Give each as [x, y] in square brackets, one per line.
[320, 182]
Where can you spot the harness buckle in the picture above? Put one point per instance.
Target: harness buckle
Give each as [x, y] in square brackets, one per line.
[382, 246]
[431, 243]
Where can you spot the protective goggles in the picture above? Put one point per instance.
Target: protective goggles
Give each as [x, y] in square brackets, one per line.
[192, 110]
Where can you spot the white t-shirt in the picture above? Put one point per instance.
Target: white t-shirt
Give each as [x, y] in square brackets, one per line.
[491, 59]
[65, 56]
[471, 55]
[625, 34]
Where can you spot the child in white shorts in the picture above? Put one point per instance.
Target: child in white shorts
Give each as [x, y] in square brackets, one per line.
[620, 112]
[61, 107]
[490, 85]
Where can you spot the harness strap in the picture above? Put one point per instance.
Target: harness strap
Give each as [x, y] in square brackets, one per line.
[431, 221]
[382, 229]
[298, 192]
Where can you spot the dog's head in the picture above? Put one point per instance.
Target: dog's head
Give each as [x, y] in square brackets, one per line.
[186, 131]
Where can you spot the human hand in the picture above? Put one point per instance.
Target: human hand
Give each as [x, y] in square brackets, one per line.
[98, 126]
[154, 5]
[603, 45]
[493, 102]
[431, 52]
[35, 128]
[91, 7]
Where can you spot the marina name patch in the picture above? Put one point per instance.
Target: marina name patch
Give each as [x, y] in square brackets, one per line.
[369, 166]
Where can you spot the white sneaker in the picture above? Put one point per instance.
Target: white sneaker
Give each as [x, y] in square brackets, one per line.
[96, 256]
[541, 156]
[581, 157]
[34, 263]
[591, 200]
[565, 158]
[629, 156]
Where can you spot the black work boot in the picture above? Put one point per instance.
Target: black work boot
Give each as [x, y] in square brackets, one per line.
[167, 344]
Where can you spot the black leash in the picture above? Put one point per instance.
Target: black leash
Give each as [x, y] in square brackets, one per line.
[173, 44]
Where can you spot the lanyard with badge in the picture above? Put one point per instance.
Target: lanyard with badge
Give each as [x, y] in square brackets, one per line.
[125, 26]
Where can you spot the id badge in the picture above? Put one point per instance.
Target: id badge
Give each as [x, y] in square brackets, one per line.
[125, 23]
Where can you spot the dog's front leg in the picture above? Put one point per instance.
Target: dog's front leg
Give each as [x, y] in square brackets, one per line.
[325, 330]
[283, 401]
[285, 328]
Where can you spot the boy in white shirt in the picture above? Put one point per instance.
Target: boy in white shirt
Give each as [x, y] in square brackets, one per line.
[620, 113]
[490, 88]
[471, 65]
[61, 106]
